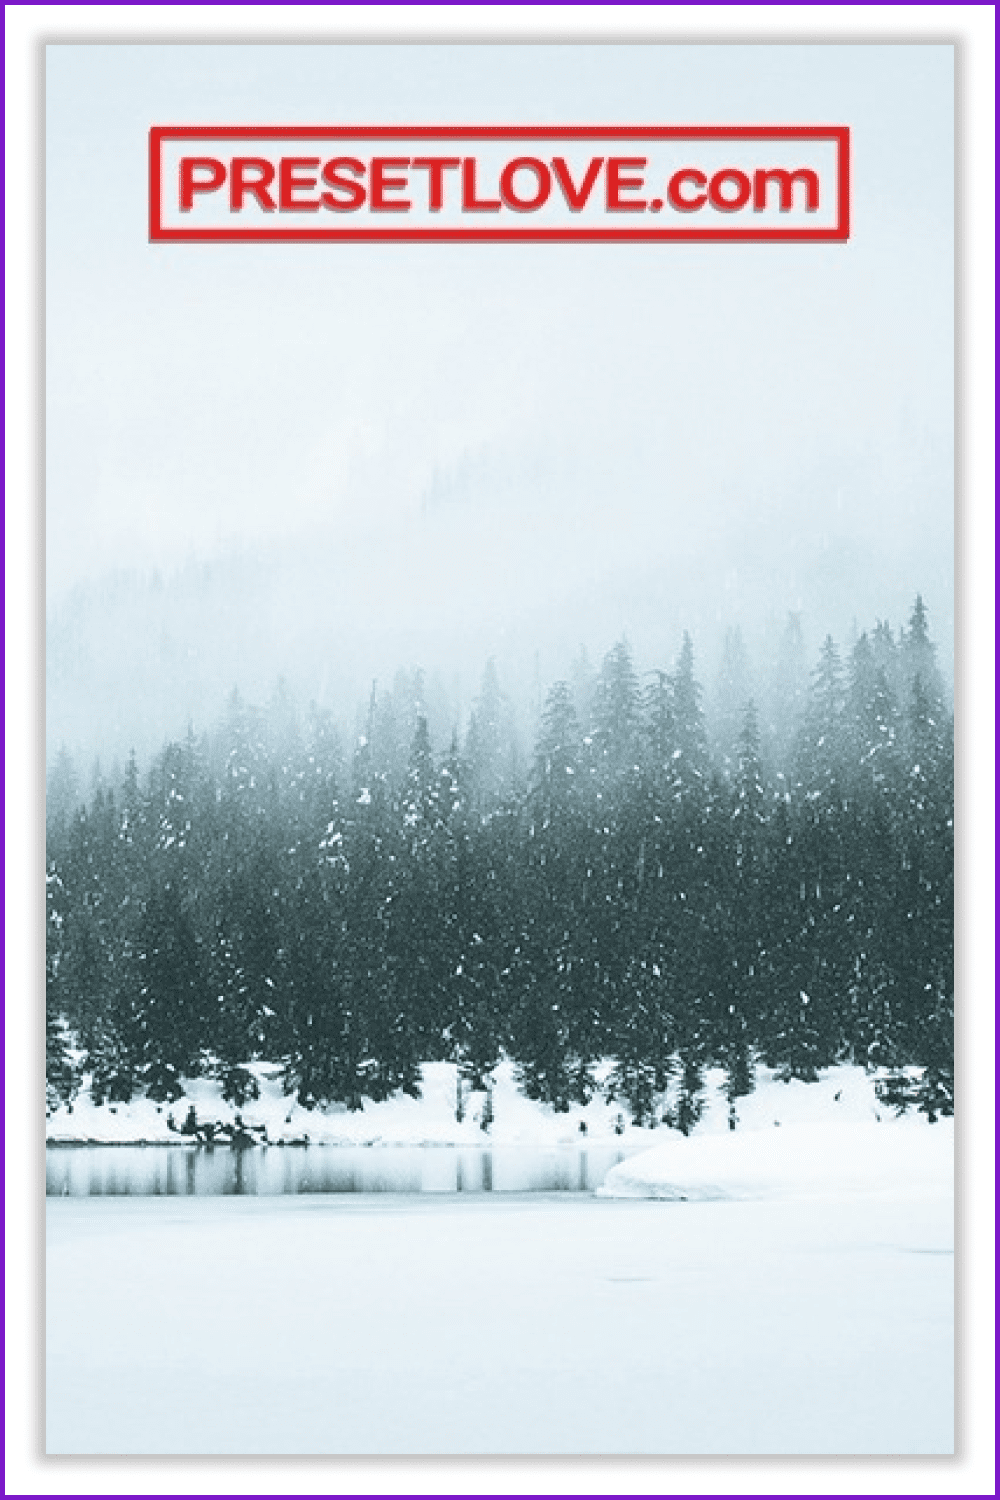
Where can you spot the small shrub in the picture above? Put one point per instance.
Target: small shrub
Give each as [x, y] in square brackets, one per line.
[239, 1086]
[163, 1084]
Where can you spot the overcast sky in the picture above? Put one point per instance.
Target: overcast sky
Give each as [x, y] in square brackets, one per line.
[498, 441]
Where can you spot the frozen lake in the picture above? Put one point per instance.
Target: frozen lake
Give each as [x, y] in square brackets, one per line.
[265, 1171]
[375, 1324]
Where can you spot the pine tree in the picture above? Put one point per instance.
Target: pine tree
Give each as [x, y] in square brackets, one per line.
[820, 749]
[489, 749]
[925, 954]
[628, 901]
[61, 1075]
[919, 657]
[556, 1024]
[750, 906]
[789, 694]
[791, 1037]
[172, 991]
[422, 878]
[614, 738]
[685, 894]
[62, 795]
[872, 725]
[691, 764]
[819, 951]
[691, 1096]
[733, 689]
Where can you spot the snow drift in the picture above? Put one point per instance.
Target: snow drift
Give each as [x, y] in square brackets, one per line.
[877, 1157]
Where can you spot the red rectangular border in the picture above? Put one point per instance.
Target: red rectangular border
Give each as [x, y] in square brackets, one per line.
[838, 133]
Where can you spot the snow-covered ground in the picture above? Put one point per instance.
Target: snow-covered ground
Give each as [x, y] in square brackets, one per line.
[799, 1299]
[534, 1324]
[845, 1095]
[803, 1160]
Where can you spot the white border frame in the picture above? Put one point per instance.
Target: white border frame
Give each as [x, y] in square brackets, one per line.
[27, 28]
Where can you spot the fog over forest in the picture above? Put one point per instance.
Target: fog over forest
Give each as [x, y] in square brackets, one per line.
[517, 563]
[144, 660]
[329, 463]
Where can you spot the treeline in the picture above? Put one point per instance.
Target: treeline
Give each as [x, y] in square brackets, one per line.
[634, 890]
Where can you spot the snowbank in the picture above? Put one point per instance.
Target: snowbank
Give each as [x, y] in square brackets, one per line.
[844, 1095]
[398, 1121]
[806, 1159]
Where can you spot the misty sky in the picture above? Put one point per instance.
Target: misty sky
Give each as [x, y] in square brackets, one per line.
[436, 453]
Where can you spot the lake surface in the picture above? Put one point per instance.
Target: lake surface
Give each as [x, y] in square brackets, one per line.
[269, 1171]
[499, 1323]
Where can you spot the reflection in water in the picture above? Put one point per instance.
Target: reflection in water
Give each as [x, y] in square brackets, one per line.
[265, 1171]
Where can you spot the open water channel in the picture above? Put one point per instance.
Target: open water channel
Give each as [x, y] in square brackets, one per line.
[268, 1171]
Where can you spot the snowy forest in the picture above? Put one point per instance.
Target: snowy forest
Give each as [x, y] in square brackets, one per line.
[663, 882]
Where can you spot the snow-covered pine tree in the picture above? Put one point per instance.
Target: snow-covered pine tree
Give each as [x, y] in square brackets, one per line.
[733, 689]
[489, 748]
[788, 694]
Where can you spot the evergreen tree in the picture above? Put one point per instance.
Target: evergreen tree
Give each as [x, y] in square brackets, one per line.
[733, 689]
[685, 891]
[556, 1023]
[628, 901]
[62, 795]
[489, 749]
[925, 954]
[691, 764]
[749, 908]
[872, 725]
[820, 750]
[919, 657]
[789, 694]
[420, 956]
[614, 739]
[61, 1075]
[691, 1096]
